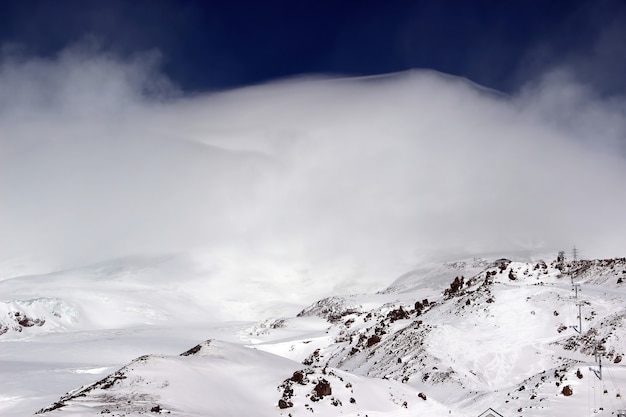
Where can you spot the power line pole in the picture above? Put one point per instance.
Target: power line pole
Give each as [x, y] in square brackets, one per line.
[579, 329]
[575, 254]
[576, 289]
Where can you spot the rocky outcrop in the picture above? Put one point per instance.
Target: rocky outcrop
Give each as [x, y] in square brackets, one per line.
[398, 314]
[567, 391]
[282, 404]
[323, 389]
[373, 339]
[455, 287]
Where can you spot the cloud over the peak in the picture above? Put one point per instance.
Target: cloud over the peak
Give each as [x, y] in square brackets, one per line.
[99, 159]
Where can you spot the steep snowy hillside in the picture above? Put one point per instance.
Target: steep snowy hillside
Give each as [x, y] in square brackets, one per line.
[222, 379]
[500, 335]
[451, 339]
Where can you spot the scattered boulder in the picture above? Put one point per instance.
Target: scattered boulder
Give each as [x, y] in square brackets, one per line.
[282, 404]
[455, 287]
[373, 340]
[312, 358]
[579, 374]
[422, 396]
[618, 359]
[323, 388]
[398, 314]
[25, 321]
[567, 391]
[298, 377]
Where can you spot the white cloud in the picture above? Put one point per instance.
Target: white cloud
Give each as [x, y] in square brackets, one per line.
[362, 176]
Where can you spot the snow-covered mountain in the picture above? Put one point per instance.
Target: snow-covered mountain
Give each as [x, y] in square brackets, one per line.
[445, 339]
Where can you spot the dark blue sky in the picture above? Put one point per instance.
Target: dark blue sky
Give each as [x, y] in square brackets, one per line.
[209, 45]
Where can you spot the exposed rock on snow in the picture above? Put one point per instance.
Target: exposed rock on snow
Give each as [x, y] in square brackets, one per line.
[470, 335]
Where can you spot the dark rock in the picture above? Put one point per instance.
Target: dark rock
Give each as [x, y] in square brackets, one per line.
[398, 314]
[323, 388]
[282, 404]
[313, 357]
[25, 321]
[579, 374]
[617, 359]
[567, 391]
[455, 287]
[192, 351]
[298, 377]
[277, 324]
[156, 409]
[422, 396]
[373, 340]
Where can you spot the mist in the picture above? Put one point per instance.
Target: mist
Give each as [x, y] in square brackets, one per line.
[103, 157]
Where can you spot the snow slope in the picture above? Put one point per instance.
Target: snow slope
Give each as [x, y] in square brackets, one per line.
[222, 379]
[500, 337]
[444, 339]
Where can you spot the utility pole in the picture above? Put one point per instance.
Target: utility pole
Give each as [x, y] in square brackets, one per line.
[576, 289]
[579, 329]
[572, 266]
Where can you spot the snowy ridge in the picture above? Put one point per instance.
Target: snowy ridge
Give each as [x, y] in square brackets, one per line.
[221, 379]
[503, 335]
